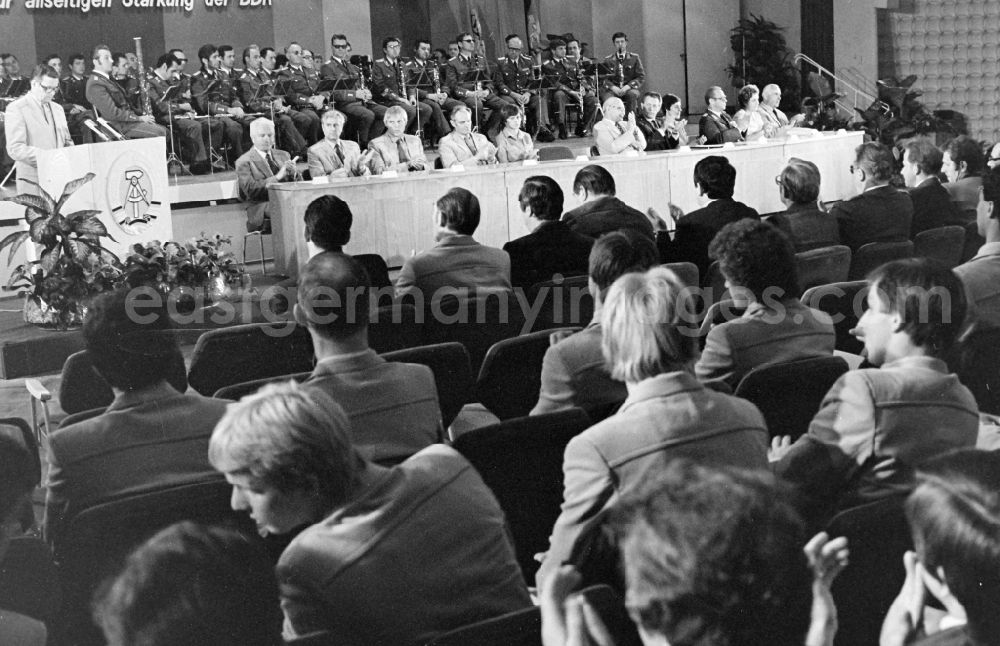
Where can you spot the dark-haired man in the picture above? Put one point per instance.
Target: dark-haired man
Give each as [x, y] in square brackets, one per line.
[109, 100]
[190, 134]
[565, 75]
[880, 213]
[601, 211]
[73, 95]
[627, 75]
[511, 78]
[962, 163]
[431, 90]
[476, 94]
[351, 96]
[386, 75]
[33, 123]
[214, 94]
[254, 85]
[932, 207]
[981, 274]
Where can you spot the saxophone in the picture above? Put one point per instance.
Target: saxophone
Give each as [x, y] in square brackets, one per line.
[147, 106]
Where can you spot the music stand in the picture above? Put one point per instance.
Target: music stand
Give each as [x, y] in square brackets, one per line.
[173, 158]
[480, 77]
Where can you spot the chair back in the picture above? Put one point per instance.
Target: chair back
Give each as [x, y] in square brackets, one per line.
[82, 388]
[790, 394]
[518, 628]
[943, 243]
[20, 431]
[477, 321]
[452, 376]
[521, 461]
[394, 327]
[686, 271]
[242, 352]
[235, 392]
[376, 267]
[823, 266]
[878, 535]
[555, 153]
[318, 638]
[845, 303]
[716, 282]
[566, 302]
[870, 256]
[976, 361]
[511, 376]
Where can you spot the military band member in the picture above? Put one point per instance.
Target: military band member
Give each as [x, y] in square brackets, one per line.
[432, 90]
[474, 94]
[109, 102]
[513, 74]
[350, 97]
[395, 150]
[386, 73]
[219, 102]
[462, 146]
[121, 73]
[333, 156]
[627, 74]
[11, 66]
[254, 86]
[72, 96]
[564, 74]
[191, 134]
[301, 94]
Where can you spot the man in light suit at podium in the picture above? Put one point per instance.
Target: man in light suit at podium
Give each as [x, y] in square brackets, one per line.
[258, 168]
[34, 123]
[332, 156]
[395, 151]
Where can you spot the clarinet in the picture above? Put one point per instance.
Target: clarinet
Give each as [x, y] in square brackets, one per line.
[147, 106]
[361, 82]
[436, 75]
[402, 81]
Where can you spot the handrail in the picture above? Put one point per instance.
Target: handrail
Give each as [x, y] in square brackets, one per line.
[841, 83]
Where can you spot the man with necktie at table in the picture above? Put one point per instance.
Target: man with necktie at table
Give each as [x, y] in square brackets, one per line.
[32, 124]
[464, 146]
[614, 134]
[716, 126]
[332, 156]
[260, 167]
[396, 151]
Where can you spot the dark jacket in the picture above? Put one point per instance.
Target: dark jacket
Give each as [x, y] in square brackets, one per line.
[696, 230]
[718, 128]
[606, 214]
[552, 248]
[807, 226]
[932, 206]
[880, 214]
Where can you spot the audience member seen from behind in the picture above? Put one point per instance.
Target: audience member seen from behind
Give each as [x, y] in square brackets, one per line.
[667, 414]
[877, 424]
[748, 118]
[442, 558]
[393, 407]
[711, 556]
[963, 163]
[932, 207]
[328, 221]
[600, 211]
[150, 436]
[981, 274]
[514, 144]
[192, 585]
[457, 261]
[803, 221]
[552, 247]
[953, 514]
[574, 373]
[17, 481]
[880, 212]
[758, 263]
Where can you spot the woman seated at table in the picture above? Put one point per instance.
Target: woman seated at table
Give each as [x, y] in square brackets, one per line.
[676, 127]
[514, 144]
[748, 117]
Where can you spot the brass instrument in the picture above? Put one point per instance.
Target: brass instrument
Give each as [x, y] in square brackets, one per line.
[436, 75]
[147, 105]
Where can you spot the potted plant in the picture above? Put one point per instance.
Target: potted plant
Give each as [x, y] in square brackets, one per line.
[762, 57]
[73, 265]
[898, 115]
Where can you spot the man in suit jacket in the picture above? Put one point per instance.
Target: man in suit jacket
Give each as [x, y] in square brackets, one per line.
[457, 261]
[715, 178]
[150, 437]
[716, 126]
[552, 248]
[981, 274]
[110, 102]
[614, 134]
[881, 213]
[932, 207]
[333, 156]
[462, 146]
[395, 150]
[393, 407]
[260, 167]
[601, 211]
[34, 123]
[803, 222]
[962, 164]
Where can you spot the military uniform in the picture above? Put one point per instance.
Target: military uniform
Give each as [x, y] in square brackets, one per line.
[290, 126]
[73, 93]
[564, 75]
[217, 103]
[514, 76]
[386, 90]
[459, 69]
[364, 117]
[192, 133]
[109, 102]
[302, 84]
[627, 70]
[439, 111]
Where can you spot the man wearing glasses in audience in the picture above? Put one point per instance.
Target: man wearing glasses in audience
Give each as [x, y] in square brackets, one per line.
[33, 123]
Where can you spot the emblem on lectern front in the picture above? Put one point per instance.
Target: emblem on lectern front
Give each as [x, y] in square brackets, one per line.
[130, 193]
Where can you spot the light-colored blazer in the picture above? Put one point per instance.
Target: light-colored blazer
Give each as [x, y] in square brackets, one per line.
[253, 176]
[453, 150]
[28, 132]
[610, 141]
[323, 160]
[386, 155]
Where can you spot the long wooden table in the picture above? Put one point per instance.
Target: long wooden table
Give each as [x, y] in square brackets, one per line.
[394, 216]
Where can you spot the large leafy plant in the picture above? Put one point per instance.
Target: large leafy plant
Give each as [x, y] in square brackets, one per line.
[193, 263]
[898, 115]
[762, 56]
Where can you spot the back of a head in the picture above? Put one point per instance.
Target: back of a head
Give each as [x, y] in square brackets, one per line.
[542, 197]
[328, 222]
[954, 516]
[800, 181]
[714, 556]
[757, 256]
[127, 335]
[645, 323]
[929, 298]
[966, 149]
[925, 155]
[617, 253]
[595, 180]
[459, 211]
[716, 176]
[991, 189]
[334, 295]
[193, 585]
[876, 159]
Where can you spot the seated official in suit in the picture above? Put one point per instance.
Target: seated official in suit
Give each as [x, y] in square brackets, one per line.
[457, 261]
[552, 247]
[395, 150]
[668, 414]
[389, 555]
[260, 167]
[981, 274]
[334, 157]
[600, 211]
[574, 372]
[393, 407]
[876, 425]
[513, 144]
[758, 263]
[462, 146]
[716, 126]
[715, 178]
[110, 102]
[659, 133]
[770, 100]
[614, 134]
[34, 123]
[963, 163]
[932, 206]
[150, 437]
[805, 224]
[881, 213]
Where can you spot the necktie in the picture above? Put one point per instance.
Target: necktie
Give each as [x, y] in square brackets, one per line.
[621, 128]
[340, 152]
[471, 143]
[401, 151]
[51, 118]
[273, 164]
